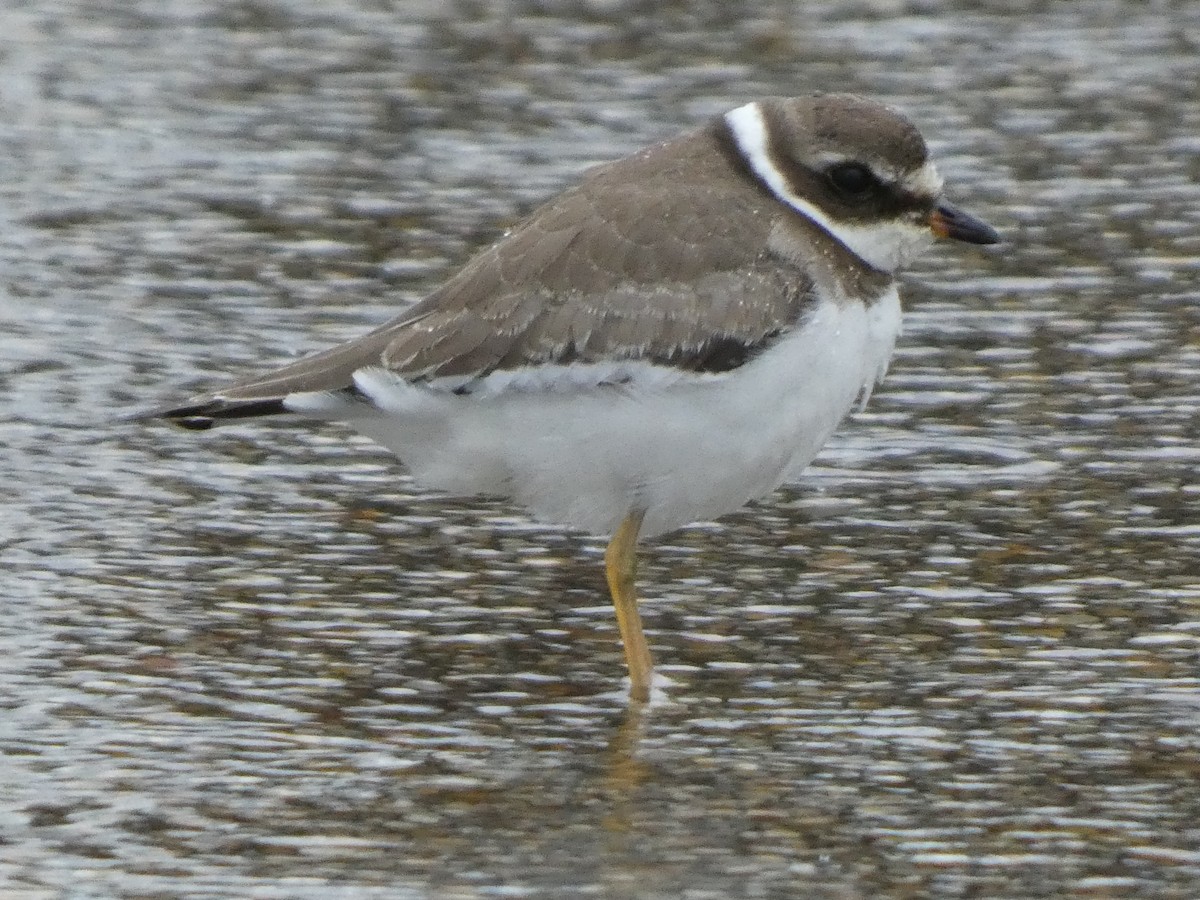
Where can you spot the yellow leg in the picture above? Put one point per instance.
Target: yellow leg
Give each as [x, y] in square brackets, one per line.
[620, 565]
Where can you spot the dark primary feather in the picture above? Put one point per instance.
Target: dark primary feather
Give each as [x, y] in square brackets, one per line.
[660, 256]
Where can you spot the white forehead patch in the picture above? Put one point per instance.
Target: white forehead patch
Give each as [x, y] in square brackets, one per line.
[926, 181]
[884, 246]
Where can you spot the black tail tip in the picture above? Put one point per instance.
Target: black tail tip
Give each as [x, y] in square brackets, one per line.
[204, 415]
[192, 423]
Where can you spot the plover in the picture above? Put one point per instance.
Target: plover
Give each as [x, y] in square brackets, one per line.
[675, 336]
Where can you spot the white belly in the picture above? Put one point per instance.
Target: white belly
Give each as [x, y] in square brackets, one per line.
[681, 447]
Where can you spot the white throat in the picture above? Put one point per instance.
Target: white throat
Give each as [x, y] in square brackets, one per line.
[884, 246]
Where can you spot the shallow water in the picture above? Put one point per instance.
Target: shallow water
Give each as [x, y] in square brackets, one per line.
[958, 659]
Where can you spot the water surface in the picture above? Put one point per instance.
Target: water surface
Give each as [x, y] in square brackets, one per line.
[958, 659]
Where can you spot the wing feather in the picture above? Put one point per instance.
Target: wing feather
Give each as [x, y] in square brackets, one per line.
[655, 257]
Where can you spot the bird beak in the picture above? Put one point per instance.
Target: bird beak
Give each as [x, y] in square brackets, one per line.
[948, 221]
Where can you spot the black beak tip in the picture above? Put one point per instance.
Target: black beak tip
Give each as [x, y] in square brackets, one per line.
[986, 234]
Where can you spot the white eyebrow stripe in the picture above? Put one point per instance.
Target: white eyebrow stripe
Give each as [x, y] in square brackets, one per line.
[749, 129]
[879, 246]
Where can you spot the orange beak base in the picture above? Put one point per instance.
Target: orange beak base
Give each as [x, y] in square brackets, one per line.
[948, 221]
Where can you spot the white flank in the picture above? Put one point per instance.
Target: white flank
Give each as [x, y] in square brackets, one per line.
[885, 246]
[683, 448]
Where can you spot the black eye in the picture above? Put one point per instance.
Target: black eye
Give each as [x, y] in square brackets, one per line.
[851, 178]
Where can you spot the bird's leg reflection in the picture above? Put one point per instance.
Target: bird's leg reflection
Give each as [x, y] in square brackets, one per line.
[623, 773]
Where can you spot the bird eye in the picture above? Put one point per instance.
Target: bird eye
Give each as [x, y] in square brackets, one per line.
[851, 178]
